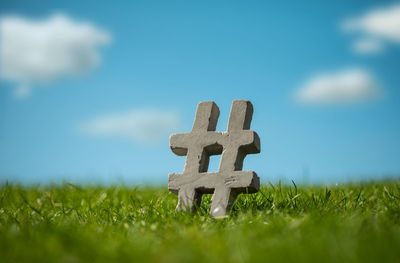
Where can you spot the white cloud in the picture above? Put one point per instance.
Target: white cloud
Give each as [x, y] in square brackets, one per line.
[143, 125]
[346, 86]
[381, 23]
[368, 46]
[41, 51]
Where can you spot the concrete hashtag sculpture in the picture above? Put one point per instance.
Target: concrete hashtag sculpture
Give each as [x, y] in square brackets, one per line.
[202, 142]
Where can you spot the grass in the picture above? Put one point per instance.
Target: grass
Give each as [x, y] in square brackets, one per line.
[68, 223]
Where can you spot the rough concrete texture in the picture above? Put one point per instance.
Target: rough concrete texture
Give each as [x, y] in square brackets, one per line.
[202, 142]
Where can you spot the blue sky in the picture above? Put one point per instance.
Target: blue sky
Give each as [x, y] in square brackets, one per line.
[158, 59]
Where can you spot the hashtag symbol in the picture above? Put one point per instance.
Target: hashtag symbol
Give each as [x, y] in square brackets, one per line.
[202, 142]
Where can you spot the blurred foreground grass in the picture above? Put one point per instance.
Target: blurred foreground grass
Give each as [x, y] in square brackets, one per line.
[67, 223]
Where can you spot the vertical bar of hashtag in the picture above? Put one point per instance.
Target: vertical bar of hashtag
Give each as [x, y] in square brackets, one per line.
[206, 119]
[232, 157]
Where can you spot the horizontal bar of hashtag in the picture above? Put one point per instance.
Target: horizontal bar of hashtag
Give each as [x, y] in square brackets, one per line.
[207, 182]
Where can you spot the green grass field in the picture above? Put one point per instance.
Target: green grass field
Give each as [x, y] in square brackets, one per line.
[67, 223]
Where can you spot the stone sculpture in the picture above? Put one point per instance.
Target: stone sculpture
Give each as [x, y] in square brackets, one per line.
[202, 142]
